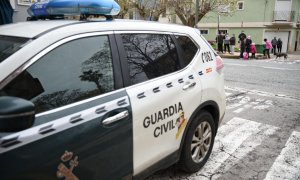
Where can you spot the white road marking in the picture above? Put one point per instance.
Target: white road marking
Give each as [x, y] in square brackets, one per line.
[233, 106]
[261, 93]
[265, 67]
[227, 94]
[287, 164]
[261, 107]
[238, 110]
[245, 102]
[235, 140]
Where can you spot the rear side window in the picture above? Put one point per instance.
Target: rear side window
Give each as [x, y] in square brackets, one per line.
[189, 48]
[9, 45]
[150, 56]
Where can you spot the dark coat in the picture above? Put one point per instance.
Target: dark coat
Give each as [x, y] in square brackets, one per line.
[248, 43]
[220, 39]
[232, 41]
[279, 43]
[242, 36]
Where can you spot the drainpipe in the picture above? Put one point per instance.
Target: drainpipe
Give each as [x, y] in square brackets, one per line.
[196, 13]
[266, 2]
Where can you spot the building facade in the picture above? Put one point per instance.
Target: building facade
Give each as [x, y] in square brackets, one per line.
[260, 19]
[20, 9]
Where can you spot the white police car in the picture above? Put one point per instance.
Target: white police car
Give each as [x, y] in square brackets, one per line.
[105, 99]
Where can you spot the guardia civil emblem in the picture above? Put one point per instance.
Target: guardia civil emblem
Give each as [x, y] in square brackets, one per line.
[181, 123]
[66, 167]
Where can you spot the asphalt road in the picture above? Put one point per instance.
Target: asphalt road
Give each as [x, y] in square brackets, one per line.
[260, 135]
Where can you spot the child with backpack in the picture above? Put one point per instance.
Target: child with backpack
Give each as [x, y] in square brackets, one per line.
[268, 46]
[253, 50]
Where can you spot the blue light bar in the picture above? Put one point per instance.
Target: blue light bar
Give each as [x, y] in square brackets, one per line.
[74, 7]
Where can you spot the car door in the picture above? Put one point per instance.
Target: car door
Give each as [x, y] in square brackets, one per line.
[83, 122]
[163, 92]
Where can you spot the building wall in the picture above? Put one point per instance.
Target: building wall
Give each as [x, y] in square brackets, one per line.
[254, 11]
[20, 11]
[296, 6]
[256, 19]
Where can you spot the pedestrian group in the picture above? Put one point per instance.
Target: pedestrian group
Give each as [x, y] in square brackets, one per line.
[246, 45]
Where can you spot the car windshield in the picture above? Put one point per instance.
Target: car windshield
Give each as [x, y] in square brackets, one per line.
[10, 45]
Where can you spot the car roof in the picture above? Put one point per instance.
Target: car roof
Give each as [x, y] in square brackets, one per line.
[32, 29]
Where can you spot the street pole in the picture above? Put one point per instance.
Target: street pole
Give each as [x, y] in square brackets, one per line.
[196, 13]
[218, 30]
[218, 23]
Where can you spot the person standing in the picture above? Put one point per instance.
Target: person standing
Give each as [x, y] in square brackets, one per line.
[248, 44]
[242, 38]
[242, 47]
[232, 43]
[268, 46]
[253, 50]
[226, 43]
[274, 44]
[279, 45]
[220, 40]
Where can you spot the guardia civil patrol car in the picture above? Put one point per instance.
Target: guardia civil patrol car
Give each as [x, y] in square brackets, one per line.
[104, 99]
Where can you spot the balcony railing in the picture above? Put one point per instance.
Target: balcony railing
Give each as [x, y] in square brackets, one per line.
[284, 16]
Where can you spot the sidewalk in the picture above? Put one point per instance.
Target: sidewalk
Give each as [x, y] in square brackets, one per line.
[291, 56]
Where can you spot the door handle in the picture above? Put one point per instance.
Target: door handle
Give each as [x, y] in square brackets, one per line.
[189, 85]
[116, 117]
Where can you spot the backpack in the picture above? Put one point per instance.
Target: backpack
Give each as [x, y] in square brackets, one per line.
[245, 55]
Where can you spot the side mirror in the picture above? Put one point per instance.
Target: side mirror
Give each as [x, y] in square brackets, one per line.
[15, 114]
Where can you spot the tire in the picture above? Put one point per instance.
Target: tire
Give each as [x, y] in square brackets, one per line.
[196, 150]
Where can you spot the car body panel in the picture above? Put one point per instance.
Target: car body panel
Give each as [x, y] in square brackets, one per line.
[131, 146]
[38, 151]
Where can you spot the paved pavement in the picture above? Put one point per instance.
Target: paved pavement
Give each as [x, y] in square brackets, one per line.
[248, 148]
[291, 56]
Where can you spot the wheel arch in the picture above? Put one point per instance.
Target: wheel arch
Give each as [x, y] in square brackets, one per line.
[209, 106]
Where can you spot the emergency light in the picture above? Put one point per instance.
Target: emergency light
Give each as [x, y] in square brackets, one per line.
[51, 8]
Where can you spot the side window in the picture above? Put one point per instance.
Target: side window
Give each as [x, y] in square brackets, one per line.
[189, 48]
[149, 56]
[74, 71]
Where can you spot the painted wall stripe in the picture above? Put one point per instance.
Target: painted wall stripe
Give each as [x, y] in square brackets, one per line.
[287, 164]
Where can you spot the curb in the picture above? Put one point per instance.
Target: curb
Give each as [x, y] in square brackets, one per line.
[291, 57]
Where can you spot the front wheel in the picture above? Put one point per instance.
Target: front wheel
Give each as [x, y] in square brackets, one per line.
[198, 143]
